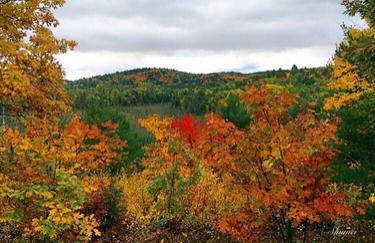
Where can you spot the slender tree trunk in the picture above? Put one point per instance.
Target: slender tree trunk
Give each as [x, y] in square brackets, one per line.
[279, 224]
[290, 233]
[305, 231]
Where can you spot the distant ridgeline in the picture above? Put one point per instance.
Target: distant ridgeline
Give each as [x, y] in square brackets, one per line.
[192, 93]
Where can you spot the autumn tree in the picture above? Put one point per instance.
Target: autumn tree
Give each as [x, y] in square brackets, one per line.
[31, 79]
[353, 65]
[47, 177]
[215, 194]
[281, 170]
[352, 87]
[170, 164]
[177, 187]
[269, 179]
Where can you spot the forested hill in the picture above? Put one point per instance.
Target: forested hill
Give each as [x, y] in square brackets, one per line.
[170, 77]
[193, 93]
[158, 76]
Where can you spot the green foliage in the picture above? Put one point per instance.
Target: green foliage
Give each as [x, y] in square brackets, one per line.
[365, 8]
[113, 198]
[235, 111]
[358, 131]
[97, 115]
[357, 134]
[189, 93]
[353, 80]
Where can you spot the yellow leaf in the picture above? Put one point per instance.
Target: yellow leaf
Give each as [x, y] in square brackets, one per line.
[268, 164]
[57, 220]
[47, 195]
[97, 232]
[52, 212]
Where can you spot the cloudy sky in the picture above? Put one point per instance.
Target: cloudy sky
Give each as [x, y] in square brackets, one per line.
[199, 36]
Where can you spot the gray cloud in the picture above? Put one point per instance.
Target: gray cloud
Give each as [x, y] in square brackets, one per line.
[168, 25]
[199, 35]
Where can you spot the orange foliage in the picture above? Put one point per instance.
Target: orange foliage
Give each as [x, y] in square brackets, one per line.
[137, 79]
[47, 175]
[269, 176]
[281, 165]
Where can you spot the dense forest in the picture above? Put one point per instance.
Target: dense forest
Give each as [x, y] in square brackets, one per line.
[159, 155]
[132, 95]
[196, 93]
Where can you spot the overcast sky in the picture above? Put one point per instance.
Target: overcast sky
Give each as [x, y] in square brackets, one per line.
[199, 36]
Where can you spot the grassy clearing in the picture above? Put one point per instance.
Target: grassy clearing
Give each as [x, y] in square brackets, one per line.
[134, 113]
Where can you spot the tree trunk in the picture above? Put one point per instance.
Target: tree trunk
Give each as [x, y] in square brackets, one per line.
[305, 232]
[290, 233]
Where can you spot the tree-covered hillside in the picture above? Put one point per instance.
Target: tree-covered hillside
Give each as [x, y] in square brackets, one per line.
[126, 97]
[195, 93]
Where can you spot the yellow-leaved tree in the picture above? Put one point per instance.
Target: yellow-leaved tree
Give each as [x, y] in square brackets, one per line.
[49, 175]
[354, 63]
[31, 79]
